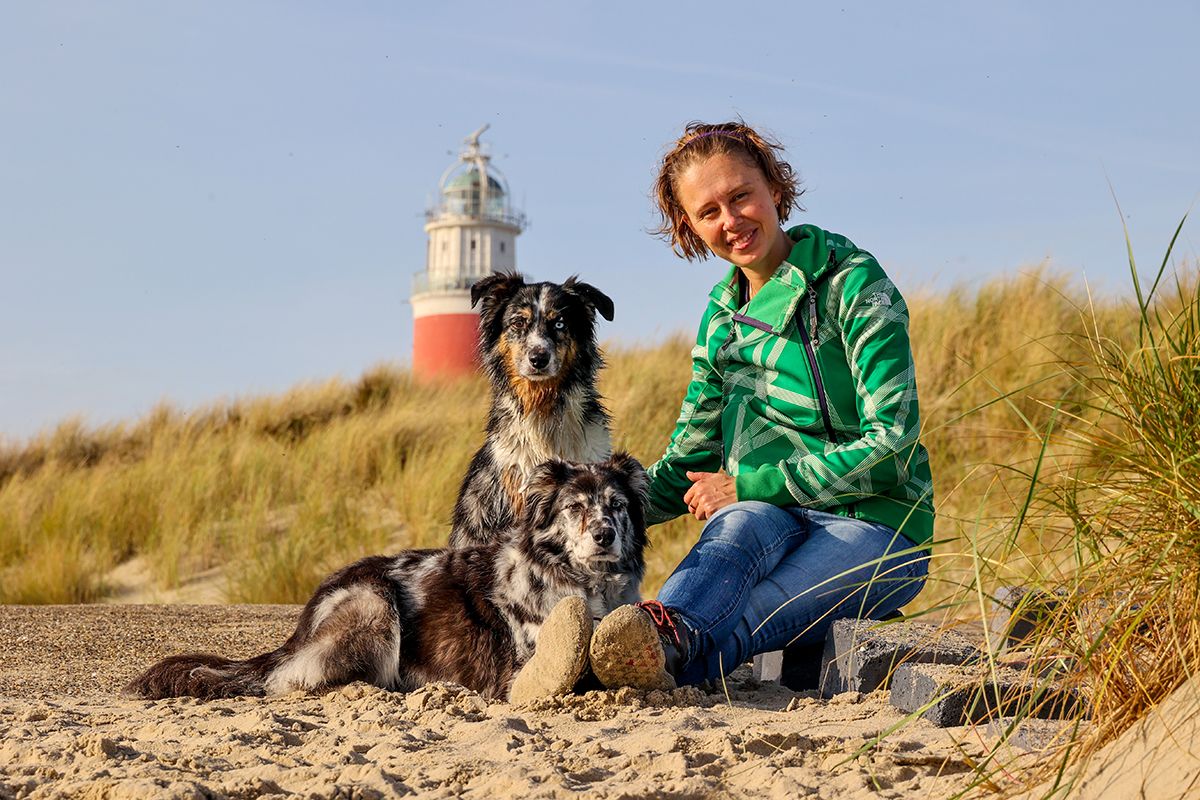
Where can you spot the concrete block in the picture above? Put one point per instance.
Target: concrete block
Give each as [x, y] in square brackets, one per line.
[949, 695]
[802, 662]
[1020, 615]
[1048, 666]
[860, 654]
[1030, 734]
[768, 666]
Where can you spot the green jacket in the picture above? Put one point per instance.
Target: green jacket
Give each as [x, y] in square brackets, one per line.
[807, 395]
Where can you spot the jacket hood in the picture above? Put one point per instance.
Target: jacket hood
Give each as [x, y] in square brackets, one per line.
[814, 252]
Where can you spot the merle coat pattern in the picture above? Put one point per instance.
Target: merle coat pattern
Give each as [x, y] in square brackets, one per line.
[470, 616]
[537, 344]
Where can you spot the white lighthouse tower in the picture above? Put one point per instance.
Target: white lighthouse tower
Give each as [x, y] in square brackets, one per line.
[472, 230]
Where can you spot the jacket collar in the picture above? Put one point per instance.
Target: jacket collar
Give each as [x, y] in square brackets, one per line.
[813, 254]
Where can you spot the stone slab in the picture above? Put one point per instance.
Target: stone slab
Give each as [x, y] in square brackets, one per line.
[860, 655]
[768, 666]
[948, 695]
[1030, 734]
[1020, 614]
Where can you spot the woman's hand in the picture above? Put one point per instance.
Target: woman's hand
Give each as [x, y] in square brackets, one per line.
[710, 492]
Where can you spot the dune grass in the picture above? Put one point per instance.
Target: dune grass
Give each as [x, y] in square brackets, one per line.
[285, 488]
[1065, 444]
[1114, 501]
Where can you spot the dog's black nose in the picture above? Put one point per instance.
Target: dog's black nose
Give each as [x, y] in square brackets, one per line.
[604, 536]
[539, 357]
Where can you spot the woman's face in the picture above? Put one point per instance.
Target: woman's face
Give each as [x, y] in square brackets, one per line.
[732, 208]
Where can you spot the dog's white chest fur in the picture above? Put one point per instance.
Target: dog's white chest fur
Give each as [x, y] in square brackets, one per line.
[533, 439]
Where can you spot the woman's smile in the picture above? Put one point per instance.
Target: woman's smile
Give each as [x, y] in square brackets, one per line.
[743, 241]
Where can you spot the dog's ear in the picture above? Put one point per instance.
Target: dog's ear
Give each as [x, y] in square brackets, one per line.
[493, 292]
[495, 288]
[634, 473]
[593, 297]
[541, 493]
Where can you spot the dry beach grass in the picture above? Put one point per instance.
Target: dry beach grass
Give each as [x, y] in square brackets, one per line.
[288, 487]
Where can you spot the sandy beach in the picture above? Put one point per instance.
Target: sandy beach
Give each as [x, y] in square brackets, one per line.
[67, 733]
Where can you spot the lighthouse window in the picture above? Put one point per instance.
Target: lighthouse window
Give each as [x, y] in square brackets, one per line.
[502, 247]
[472, 244]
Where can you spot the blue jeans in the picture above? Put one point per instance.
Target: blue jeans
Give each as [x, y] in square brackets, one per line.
[762, 577]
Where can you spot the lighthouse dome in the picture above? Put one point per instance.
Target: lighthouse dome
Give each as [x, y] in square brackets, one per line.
[474, 189]
[463, 194]
[469, 180]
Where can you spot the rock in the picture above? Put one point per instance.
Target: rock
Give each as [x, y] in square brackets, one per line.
[860, 654]
[1030, 733]
[1020, 615]
[768, 666]
[949, 695]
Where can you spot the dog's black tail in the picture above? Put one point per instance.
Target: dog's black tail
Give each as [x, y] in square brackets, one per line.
[205, 676]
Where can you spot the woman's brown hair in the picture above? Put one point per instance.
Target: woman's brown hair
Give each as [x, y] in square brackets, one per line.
[700, 141]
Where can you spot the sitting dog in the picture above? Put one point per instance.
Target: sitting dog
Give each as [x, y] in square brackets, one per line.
[537, 343]
[470, 616]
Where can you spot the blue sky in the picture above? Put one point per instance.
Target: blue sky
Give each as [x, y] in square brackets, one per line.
[209, 200]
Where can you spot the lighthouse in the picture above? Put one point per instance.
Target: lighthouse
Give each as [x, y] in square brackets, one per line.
[472, 231]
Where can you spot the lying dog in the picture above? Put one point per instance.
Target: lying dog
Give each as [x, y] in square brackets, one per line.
[538, 347]
[470, 616]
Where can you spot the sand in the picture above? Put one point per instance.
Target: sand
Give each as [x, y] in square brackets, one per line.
[65, 732]
[1157, 758]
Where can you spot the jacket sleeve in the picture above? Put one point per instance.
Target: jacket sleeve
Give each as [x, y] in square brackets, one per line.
[873, 319]
[696, 444]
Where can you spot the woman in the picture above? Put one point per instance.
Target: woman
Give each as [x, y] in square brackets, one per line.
[797, 441]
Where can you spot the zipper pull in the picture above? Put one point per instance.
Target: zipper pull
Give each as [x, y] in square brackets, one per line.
[812, 309]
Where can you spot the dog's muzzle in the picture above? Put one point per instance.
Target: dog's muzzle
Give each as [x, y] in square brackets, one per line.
[604, 535]
[539, 357]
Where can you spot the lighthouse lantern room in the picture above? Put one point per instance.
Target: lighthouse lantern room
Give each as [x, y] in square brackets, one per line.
[472, 229]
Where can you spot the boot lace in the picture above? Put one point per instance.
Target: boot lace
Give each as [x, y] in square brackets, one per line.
[661, 617]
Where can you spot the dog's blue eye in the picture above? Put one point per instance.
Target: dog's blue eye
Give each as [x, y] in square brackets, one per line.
[559, 324]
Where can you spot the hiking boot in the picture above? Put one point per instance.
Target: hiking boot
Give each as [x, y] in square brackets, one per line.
[640, 646]
[561, 656]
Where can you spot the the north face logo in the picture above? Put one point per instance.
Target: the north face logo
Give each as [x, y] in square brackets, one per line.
[879, 299]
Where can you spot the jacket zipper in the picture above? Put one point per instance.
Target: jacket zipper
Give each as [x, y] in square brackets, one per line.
[812, 300]
[812, 314]
[822, 400]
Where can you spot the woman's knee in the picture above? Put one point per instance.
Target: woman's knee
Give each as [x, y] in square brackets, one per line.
[751, 520]
[746, 512]
[911, 572]
[894, 581]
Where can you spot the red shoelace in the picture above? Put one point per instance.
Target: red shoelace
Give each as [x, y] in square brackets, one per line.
[662, 619]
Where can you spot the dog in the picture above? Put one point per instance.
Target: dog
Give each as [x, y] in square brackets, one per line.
[469, 616]
[537, 345]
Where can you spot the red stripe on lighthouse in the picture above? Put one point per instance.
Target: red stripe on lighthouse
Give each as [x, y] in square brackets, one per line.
[444, 345]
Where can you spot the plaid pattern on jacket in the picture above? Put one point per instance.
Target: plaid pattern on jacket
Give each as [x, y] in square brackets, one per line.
[842, 437]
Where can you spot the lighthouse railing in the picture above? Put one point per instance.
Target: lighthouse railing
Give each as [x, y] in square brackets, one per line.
[447, 213]
[422, 283]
